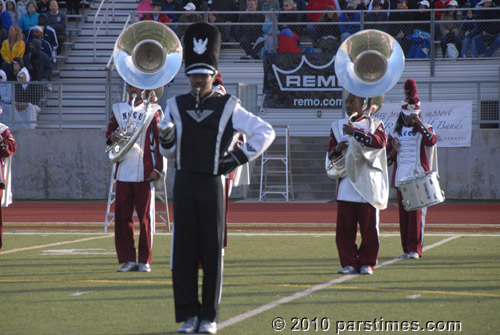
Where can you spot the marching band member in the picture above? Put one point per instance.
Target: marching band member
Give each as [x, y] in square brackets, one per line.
[8, 147]
[135, 174]
[197, 130]
[364, 189]
[407, 150]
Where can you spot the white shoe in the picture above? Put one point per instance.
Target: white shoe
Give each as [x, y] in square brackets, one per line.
[366, 270]
[413, 255]
[347, 270]
[144, 267]
[403, 256]
[190, 326]
[127, 267]
[207, 327]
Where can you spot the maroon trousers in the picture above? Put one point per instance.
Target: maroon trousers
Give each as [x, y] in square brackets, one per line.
[1, 221]
[349, 214]
[128, 196]
[411, 227]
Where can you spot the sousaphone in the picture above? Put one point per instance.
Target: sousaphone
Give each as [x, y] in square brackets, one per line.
[147, 55]
[367, 64]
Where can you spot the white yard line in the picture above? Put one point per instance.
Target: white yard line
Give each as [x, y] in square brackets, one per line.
[54, 244]
[301, 294]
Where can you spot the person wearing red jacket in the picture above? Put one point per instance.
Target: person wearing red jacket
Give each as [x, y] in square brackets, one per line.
[407, 150]
[439, 4]
[317, 5]
[288, 42]
[8, 147]
[159, 17]
[135, 173]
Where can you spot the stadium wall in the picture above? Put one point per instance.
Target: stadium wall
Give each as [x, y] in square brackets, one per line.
[70, 164]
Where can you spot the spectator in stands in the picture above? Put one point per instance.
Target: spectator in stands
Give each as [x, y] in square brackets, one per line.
[487, 32]
[248, 34]
[45, 47]
[450, 31]
[439, 4]
[43, 6]
[188, 17]
[318, 5]
[316, 31]
[286, 19]
[26, 96]
[228, 6]
[73, 7]
[423, 15]
[143, 6]
[21, 8]
[57, 20]
[329, 40]
[172, 6]
[21, 91]
[374, 16]
[49, 35]
[157, 15]
[29, 19]
[269, 5]
[5, 16]
[420, 39]
[359, 4]
[37, 62]
[467, 29]
[12, 47]
[201, 5]
[384, 5]
[401, 29]
[265, 43]
[288, 42]
[350, 22]
[10, 7]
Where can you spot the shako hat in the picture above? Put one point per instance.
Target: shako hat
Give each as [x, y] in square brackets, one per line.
[202, 43]
[411, 103]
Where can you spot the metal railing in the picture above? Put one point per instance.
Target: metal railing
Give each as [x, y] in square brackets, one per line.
[87, 105]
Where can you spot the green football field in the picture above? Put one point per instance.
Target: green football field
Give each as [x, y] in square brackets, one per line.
[274, 283]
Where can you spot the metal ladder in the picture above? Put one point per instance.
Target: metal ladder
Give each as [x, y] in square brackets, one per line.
[160, 195]
[285, 190]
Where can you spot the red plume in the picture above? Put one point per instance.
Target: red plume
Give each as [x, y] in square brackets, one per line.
[410, 88]
[218, 79]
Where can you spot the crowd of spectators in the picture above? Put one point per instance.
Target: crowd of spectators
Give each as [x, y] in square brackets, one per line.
[327, 23]
[32, 34]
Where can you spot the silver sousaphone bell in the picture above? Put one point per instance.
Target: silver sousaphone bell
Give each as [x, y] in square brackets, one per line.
[147, 55]
[367, 64]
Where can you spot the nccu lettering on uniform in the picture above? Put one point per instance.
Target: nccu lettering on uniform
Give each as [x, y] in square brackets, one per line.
[200, 130]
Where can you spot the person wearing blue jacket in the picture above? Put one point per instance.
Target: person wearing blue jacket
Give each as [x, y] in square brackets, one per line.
[351, 21]
[29, 19]
[5, 16]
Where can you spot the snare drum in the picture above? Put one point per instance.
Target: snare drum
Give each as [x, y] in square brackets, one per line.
[421, 191]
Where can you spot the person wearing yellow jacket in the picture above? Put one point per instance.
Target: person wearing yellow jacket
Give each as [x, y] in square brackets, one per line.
[12, 47]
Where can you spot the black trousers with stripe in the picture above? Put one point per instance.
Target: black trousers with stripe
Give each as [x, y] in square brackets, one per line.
[197, 239]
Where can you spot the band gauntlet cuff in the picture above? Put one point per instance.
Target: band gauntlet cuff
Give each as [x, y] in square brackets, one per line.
[362, 137]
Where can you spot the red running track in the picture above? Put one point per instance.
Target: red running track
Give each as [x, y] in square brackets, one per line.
[274, 213]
